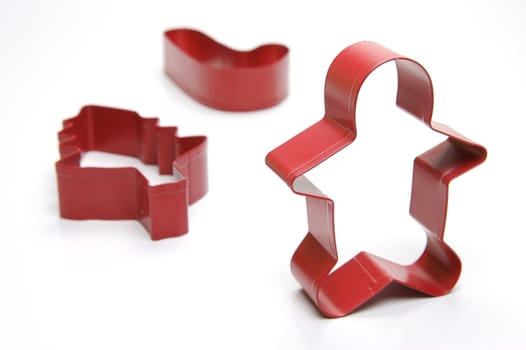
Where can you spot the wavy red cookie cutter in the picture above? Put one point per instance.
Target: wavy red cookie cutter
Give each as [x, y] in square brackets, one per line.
[223, 78]
[436, 271]
[124, 193]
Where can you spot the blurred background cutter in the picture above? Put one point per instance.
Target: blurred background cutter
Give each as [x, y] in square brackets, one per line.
[223, 78]
[124, 193]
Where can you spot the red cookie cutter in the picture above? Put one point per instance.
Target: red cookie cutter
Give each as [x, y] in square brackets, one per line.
[435, 272]
[222, 78]
[124, 193]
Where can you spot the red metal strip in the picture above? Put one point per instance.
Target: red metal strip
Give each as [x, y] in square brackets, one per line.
[124, 193]
[341, 291]
[223, 78]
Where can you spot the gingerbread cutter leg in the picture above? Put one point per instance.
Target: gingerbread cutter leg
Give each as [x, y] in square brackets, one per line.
[436, 271]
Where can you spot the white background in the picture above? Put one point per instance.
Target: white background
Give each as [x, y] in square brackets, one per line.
[226, 284]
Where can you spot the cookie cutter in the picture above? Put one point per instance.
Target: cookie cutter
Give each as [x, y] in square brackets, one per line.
[436, 271]
[124, 193]
[223, 78]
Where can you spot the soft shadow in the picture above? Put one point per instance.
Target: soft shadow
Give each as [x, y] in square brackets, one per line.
[393, 293]
[390, 295]
[307, 305]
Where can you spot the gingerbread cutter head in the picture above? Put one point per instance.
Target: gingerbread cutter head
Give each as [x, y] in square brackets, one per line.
[124, 193]
[223, 78]
[436, 271]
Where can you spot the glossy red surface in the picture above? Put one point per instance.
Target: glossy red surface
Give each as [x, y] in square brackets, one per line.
[223, 78]
[436, 271]
[124, 193]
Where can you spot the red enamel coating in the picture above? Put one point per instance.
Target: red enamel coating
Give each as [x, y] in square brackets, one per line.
[222, 78]
[124, 193]
[341, 291]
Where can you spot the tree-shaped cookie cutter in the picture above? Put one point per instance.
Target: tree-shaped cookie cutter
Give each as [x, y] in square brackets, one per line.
[436, 271]
[124, 193]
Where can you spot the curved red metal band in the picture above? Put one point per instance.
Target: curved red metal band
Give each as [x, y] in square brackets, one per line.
[437, 270]
[124, 193]
[222, 78]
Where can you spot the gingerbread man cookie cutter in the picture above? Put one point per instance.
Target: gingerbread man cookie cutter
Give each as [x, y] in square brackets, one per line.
[436, 271]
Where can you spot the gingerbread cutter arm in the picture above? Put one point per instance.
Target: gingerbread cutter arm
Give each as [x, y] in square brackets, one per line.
[341, 291]
[124, 193]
